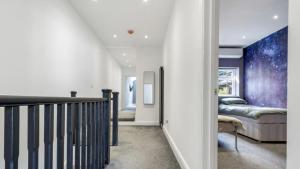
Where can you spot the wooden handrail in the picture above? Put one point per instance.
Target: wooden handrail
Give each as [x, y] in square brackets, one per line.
[7, 100]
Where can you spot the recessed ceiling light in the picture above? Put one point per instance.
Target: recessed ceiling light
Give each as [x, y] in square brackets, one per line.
[275, 17]
[124, 54]
[146, 37]
[244, 36]
[145, 1]
[115, 36]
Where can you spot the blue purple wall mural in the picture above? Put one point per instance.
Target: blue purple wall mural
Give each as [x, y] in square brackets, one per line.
[265, 71]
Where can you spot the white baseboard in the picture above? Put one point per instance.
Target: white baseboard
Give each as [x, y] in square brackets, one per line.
[139, 123]
[183, 164]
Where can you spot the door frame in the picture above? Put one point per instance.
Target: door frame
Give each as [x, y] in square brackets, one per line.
[210, 74]
[161, 95]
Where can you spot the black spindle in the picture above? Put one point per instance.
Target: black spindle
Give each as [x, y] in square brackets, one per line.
[102, 135]
[89, 136]
[70, 126]
[48, 135]
[97, 118]
[60, 135]
[84, 133]
[93, 136]
[33, 136]
[106, 132]
[11, 137]
[77, 134]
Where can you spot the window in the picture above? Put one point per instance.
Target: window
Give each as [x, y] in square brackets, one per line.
[228, 81]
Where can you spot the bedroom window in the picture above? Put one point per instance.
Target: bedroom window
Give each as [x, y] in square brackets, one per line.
[228, 81]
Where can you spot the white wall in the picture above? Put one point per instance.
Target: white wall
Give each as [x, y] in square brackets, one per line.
[293, 147]
[46, 49]
[183, 63]
[148, 59]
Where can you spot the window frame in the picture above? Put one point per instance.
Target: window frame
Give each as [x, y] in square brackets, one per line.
[235, 84]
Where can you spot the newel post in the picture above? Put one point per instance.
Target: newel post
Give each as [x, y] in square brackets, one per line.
[73, 93]
[74, 119]
[115, 118]
[106, 93]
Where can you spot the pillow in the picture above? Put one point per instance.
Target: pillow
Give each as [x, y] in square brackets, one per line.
[233, 101]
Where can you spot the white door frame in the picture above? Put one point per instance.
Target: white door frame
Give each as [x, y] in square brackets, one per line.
[210, 97]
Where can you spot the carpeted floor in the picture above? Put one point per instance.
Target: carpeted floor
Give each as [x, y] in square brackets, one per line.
[142, 148]
[251, 155]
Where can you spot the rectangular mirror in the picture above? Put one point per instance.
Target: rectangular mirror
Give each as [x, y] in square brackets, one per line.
[149, 87]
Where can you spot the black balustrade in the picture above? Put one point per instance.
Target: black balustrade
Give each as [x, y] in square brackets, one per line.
[83, 121]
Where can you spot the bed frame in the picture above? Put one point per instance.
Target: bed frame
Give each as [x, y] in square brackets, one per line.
[264, 131]
[268, 128]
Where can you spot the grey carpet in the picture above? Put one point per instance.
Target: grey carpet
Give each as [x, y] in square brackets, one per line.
[142, 148]
[251, 155]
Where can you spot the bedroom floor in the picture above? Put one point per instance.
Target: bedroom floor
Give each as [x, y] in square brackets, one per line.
[251, 155]
[142, 148]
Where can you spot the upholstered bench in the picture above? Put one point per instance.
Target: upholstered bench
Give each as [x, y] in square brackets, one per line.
[230, 125]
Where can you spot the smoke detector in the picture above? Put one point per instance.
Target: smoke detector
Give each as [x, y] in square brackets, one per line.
[130, 32]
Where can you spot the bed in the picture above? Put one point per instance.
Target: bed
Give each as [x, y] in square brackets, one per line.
[261, 123]
[229, 125]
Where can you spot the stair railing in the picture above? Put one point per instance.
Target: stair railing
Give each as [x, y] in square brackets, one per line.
[87, 121]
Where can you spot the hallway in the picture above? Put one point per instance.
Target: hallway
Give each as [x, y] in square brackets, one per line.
[142, 148]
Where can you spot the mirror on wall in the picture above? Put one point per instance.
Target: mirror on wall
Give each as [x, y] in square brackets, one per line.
[149, 87]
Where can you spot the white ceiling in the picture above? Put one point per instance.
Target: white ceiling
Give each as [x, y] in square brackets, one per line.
[250, 18]
[126, 56]
[109, 17]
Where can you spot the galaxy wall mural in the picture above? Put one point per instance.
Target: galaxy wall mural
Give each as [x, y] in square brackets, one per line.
[265, 71]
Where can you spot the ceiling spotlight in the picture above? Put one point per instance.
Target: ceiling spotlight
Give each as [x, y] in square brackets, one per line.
[145, 1]
[124, 54]
[275, 17]
[115, 36]
[244, 36]
[146, 37]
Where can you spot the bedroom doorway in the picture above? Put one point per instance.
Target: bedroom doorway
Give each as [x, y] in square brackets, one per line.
[252, 84]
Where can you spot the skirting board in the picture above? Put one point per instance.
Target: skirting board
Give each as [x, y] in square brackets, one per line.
[175, 149]
[139, 123]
